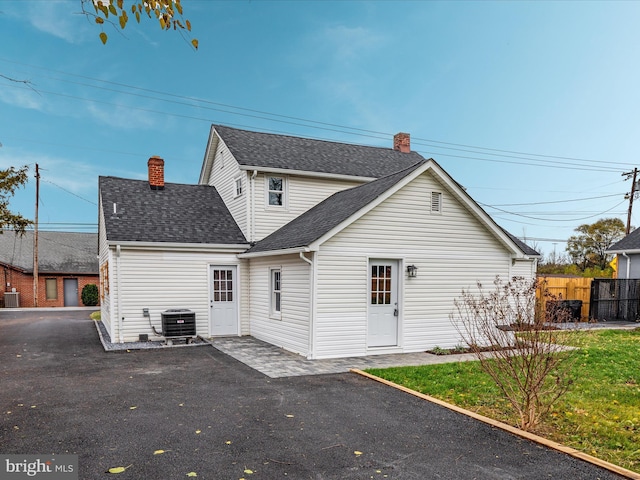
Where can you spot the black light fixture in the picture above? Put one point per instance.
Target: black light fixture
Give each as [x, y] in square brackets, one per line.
[412, 271]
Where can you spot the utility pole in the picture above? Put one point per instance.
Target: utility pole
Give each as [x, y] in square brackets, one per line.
[35, 241]
[633, 174]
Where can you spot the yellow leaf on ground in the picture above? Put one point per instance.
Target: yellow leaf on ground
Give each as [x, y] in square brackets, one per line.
[119, 469]
[289, 416]
[228, 442]
[159, 452]
[192, 474]
[198, 431]
[357, 453]
[132, 408]
[247, 471]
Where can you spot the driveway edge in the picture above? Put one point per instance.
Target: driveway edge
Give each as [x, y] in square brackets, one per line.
[503, 426]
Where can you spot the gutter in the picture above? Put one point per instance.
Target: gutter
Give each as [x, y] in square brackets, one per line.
[119, 290]
[312, 312]
[624, 254]
[252, 216]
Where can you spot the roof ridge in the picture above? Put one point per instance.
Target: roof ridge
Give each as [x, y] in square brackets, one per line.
[315, 139]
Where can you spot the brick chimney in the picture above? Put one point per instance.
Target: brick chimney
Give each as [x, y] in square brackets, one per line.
[156, 173]
[402, 142]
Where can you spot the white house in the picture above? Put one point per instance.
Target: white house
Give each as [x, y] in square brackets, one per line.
[325, 249]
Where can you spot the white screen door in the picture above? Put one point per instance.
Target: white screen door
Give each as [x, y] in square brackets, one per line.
[224, 301]
[383, 303]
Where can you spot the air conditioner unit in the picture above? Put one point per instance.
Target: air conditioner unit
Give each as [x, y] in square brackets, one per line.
[178, 322]
[12, 299]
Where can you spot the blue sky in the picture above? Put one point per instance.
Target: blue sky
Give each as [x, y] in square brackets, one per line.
[534, 107]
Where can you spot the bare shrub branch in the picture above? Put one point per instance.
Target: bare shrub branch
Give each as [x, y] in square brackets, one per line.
[528, 359]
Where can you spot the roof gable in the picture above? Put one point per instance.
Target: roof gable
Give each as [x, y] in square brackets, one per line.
[256, 150]
[58, 252]
[325, 219]
[179, 213]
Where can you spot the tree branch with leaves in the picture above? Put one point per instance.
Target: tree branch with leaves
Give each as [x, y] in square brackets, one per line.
[10, 180]
[168, 13]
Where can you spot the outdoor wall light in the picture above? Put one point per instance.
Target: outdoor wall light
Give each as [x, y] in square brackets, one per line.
[412, 271]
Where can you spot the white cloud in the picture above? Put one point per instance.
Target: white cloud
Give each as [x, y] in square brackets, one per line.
[57, 18]
[21, 97]
[121, 117]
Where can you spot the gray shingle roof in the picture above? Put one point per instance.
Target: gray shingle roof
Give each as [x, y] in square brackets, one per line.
[319, 220]
[58, 252]
[630, 242]
[526, 249]
[267, 150]
[178, 213]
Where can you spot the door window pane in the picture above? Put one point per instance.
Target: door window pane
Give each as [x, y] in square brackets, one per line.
[381, 284]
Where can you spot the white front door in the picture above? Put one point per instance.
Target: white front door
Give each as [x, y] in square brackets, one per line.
[383, 303]
[224, 301]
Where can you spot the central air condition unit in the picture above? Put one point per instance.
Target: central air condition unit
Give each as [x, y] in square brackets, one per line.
[178, 322]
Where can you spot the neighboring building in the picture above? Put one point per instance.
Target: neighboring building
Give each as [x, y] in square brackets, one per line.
[66, 263]
[627, 252]
[325, 249]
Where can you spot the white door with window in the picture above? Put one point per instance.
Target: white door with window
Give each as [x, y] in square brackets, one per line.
[223, 313]
[383, 303]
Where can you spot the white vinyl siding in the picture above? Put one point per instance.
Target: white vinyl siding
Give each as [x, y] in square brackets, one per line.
[224, 174]
[105, 259]
[302, 193]
[452, 251]
[291, 330]
[160, 280]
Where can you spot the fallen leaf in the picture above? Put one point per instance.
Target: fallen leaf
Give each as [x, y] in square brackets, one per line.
[247, 471]
[289, 416]
[160, 452]
[198, 432]
[192, 474]
[181, 404]
[33, 406]
[357, 453]
[18, 355]
[228, 442]
[119, 469]
[132, 408]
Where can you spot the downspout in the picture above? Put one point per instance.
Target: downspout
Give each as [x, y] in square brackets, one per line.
[119, 290]
[312, 301]
[624, 254]
[252, 203]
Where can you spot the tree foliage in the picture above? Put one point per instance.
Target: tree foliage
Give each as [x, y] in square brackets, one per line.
[167, 12]
[10, 180]
[505, 327]
[587, 249]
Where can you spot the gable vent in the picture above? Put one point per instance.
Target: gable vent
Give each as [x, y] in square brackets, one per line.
[436, 202]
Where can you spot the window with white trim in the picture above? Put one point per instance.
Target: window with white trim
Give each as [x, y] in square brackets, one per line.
[237, 187]
[436, 202]
[275, 191]
[276, 293]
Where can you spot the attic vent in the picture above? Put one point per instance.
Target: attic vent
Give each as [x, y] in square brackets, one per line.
[436, 202]
[115, 208]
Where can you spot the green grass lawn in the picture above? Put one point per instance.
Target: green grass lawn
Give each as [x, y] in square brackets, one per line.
[600, 415]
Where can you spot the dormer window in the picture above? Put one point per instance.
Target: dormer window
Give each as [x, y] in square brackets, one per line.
[275, 191]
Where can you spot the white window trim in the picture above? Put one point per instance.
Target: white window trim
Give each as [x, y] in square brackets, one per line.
[273, 313]
[431, 204]
[235, 187]
[285, 192]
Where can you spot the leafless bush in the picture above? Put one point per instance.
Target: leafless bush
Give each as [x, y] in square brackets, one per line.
[529, 362]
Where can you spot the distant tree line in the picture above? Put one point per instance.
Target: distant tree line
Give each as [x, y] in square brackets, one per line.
[585, 253]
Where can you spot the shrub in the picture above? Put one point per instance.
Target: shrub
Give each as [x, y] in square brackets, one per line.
[507, 331]
[90, 295]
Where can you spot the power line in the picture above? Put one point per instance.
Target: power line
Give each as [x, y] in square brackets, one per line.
[322, 125]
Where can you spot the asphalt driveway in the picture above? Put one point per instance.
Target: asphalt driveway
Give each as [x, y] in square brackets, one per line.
[60, 393]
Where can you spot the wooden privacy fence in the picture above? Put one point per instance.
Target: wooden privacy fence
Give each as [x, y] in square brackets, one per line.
[564, 287]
